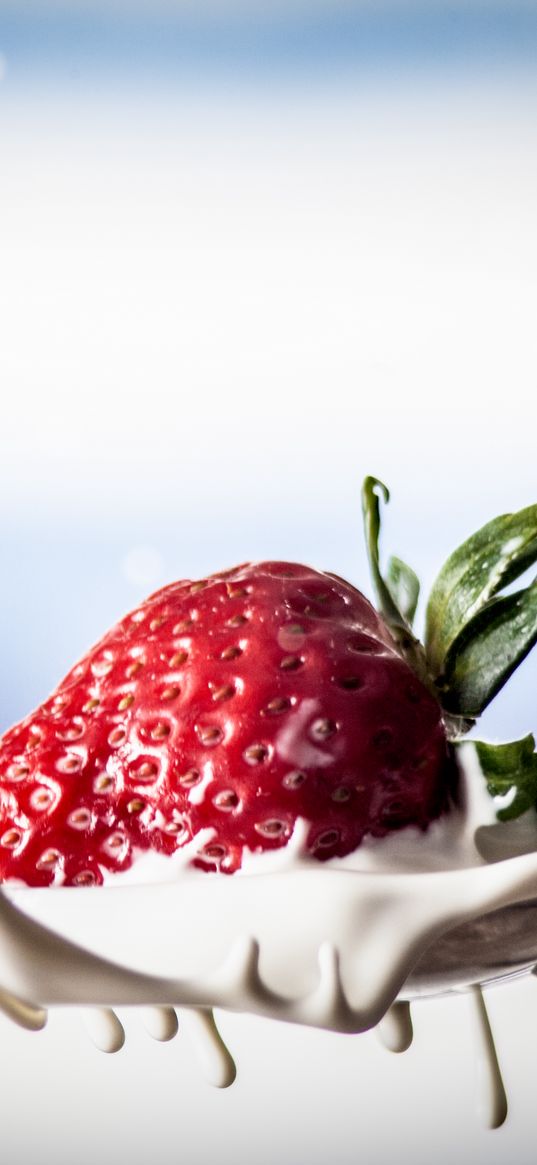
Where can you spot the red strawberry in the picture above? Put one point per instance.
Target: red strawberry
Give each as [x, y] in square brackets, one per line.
[237, 703]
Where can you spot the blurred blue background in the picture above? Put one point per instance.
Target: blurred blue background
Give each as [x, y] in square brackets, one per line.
[249, 253]
[173, 37]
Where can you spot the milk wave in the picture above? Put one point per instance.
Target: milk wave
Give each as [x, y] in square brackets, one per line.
[333, 945]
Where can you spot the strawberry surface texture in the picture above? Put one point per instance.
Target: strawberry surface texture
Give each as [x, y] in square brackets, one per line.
[235, 705]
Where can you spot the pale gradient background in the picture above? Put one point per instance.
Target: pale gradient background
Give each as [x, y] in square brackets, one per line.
[249, 253]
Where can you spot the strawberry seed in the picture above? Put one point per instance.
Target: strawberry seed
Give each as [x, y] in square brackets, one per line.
[170, 693]
[291, 662]
[279, 704]
[294, 780]
[231, 653]
[179, 658]
[11, 838]
[134, 668]
[160, 731]
[326, 839]
[215, 852]
[227, 800]
[84, 878]
[271, 828]
[350, 683]
[48, 859]
[72, 763]
[136, 805]
[147, 771]
[18, 771]
[224, 693]
[323, 729]
[237, 621]
[341, 794]
[117, 736]
[184, 625]
[79, 819]
[255, 754]
[102, 783]
[91, 705]
[115, 841]
[189, 779]
[209, 735]
[73, 731]
[41, 798]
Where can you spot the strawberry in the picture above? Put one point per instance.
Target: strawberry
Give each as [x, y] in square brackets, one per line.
[235, 704]
[221, 711]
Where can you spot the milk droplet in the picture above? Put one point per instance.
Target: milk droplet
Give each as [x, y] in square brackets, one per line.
[160, 1022]
[26, 1015]
[213, 1057]
[104, 1028]
[491, 1097]
[395, 1028]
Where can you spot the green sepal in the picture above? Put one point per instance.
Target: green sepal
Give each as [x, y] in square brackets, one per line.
[486, 563]
[388, 606]
[404, 587]
[389, 595]
[510, 766]
[488, 651]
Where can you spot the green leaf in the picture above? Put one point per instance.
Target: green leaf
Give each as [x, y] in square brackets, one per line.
[510, 766]
[488, 650]
[404, 587]
[493, 557]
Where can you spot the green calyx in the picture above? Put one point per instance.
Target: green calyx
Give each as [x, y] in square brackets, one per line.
[510, 769]
[476, 635]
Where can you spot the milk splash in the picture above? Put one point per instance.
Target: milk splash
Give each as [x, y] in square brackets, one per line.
[343, 945]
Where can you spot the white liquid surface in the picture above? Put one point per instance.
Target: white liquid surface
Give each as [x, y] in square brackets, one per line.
[329, 945]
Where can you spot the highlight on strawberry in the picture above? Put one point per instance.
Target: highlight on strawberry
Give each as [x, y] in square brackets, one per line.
[223, 710]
